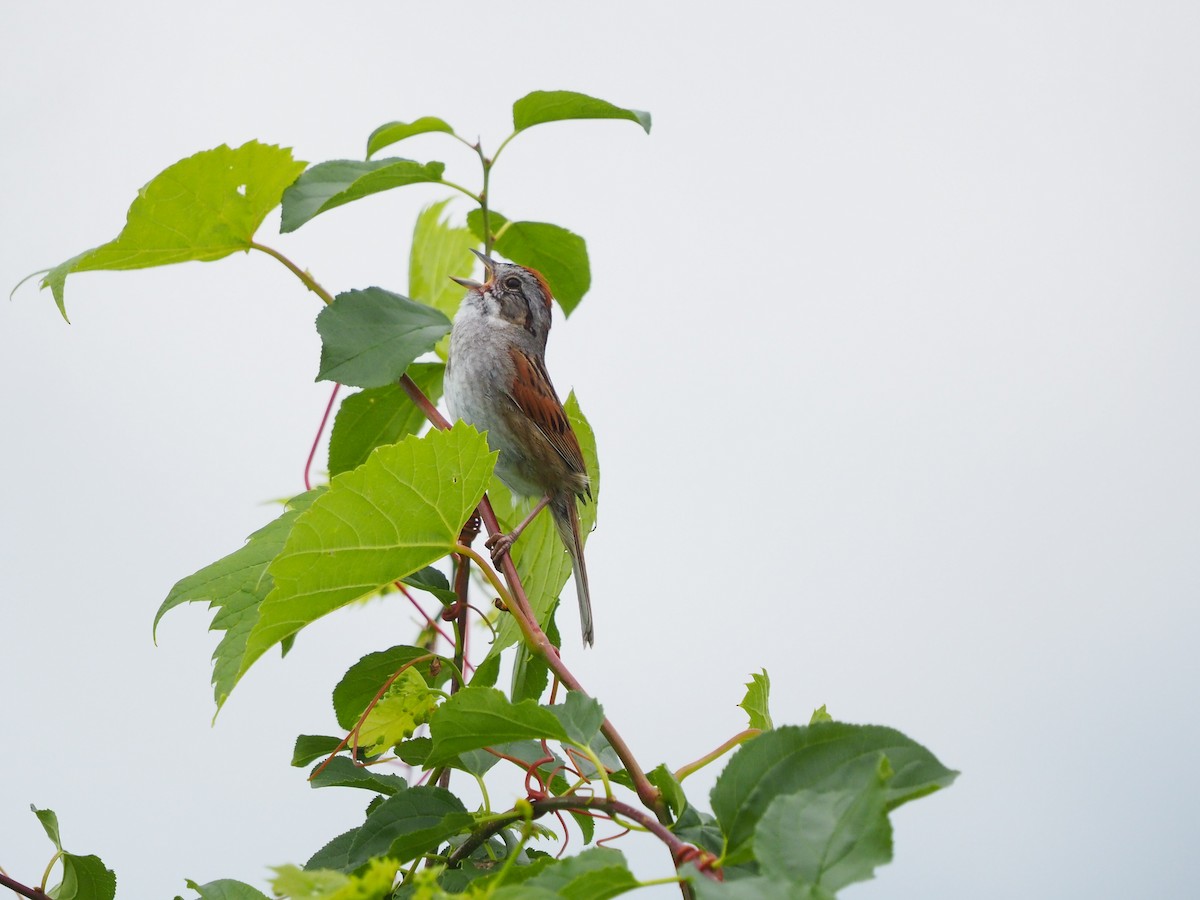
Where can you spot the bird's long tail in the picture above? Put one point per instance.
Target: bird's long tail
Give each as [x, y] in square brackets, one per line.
[566, 518]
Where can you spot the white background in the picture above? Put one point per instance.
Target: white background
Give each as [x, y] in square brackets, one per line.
[892, 352]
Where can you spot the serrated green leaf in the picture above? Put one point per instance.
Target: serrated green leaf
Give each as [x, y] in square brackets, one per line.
[398, 512]
[378, 416]
[85, 878]
[758, 691]
[226, 889]
[480, 717]
[363, 680]
[343, 772]
[540, 557]
[373, 883]
[49, 820]
[336, 853]
[823, 757]
[235, 586]
[370, 337]
[827, 839]
[556, 106]
[407, 703]
[439, 250]
[408, 824]
[394, 132]
[313, 746]
[580, 716]
[820, 714]
[331, 184]
[594, 874]
[560, 255]
[203, 208]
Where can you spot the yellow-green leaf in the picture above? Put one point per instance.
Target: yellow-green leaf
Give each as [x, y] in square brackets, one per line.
[204, 207]
[396, 513]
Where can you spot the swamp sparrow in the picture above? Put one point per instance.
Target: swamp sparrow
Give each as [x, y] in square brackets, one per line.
[496, 380]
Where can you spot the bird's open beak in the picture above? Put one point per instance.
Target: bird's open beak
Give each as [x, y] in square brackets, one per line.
[489, 265]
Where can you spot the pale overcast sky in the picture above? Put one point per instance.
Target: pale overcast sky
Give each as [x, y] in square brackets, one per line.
[892, 352]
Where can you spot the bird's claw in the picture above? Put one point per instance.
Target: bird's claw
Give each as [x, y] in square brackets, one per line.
[499, 544]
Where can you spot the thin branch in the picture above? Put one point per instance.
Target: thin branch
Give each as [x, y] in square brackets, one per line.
[681, 851]
[309, 281]
[740, 738]
[317, 439]
[536, 639]
[17, 888]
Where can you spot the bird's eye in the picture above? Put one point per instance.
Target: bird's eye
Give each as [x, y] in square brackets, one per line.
[512, 282]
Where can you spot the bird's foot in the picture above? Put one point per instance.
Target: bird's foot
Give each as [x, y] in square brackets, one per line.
[499, 544]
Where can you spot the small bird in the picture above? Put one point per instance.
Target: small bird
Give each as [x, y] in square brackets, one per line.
[496, 380]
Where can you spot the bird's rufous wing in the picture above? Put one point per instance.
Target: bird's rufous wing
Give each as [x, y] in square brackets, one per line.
[534, 395]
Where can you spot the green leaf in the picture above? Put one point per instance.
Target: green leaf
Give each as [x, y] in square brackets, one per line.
[753, 888]
[343, 772]
[408, 824]
[560, 255]
[226, 889]
[313, 746]
[701, 829]
[415, 751]
[407, 703]
[204, 207]
[85, 878]
[672, 791]
[480, 717]
[819, 715]
[370, 337]
[594, 874]
[486, 672]
[823, 757]
[396, 513]
[556, 106]
[381, 415]
[363, 680]
[826, 839]
[49, 820]
[432, 581]
[331, 184]
[580, 716]
[758, 690]
[539, 555]
[530, 671]
[235, 586]
[335, 854]
[394, 132]
[439, 250]
[524, 892]
[373, 883]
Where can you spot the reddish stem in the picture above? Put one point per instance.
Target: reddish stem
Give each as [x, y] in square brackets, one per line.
[536, 638]
[317, 440]
[18, 888]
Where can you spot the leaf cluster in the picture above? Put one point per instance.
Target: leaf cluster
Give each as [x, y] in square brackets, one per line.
[798, 811]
